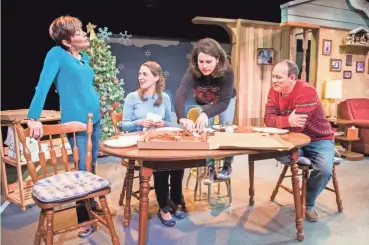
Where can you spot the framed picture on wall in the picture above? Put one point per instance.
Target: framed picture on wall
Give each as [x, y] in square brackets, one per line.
[360, 66]
[265, 56]
[347, 74]
[335, 65]
[327, 47]
[349, 60]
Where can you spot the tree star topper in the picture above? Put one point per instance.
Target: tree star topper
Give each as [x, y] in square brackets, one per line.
[91, 30]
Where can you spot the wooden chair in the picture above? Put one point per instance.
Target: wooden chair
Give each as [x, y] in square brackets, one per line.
[200, 173]
[55, 187]
[115, 118]
[304, 164]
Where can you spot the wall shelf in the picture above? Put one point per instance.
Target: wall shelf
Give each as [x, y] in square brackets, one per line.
[354, 48]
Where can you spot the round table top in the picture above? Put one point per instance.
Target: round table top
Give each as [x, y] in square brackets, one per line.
[133, 153]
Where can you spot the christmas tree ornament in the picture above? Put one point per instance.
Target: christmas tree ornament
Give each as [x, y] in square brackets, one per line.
[91, 31]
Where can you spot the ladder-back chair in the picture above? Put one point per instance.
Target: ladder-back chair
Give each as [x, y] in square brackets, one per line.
[55, 187]
[115, 118]
[305, 165]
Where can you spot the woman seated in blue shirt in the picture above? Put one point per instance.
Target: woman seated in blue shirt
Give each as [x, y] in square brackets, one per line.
[150, 98]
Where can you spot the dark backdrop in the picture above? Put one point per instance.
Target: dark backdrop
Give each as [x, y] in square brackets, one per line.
[25, 24]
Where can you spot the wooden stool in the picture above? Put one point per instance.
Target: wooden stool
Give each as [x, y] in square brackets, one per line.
[305, 165]
[201, 173]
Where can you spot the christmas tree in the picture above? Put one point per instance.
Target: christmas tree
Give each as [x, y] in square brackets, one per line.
[106, 83]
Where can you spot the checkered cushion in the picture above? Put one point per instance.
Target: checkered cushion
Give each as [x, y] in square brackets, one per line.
[337, 160]
[304, 161]
[68, 185]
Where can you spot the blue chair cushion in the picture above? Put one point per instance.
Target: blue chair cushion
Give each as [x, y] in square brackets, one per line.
[68, 185]
[337, 160]
[304, 161]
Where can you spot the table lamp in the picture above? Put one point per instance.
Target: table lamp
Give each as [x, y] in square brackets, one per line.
[333, 91]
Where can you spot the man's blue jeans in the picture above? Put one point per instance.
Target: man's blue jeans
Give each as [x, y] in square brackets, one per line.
[224, 117]
[81, 140]
[321, 155]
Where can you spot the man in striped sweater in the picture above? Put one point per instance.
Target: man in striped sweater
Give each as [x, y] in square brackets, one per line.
[294, 105]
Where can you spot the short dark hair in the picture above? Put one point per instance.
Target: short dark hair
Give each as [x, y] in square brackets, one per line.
[293, 69]
[210, 47]
[63, 28]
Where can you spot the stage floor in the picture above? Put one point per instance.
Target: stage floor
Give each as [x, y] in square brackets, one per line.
[267, 223]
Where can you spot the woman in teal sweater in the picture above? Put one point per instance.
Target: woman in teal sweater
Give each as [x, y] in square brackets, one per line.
[150, 98]
[67, 66]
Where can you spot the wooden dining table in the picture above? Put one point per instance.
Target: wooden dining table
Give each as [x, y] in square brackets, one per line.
[161, 160]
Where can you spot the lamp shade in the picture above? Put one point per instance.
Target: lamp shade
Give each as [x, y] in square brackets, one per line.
[333, 89]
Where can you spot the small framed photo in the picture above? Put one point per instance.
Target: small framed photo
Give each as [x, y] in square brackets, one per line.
[335, 65]
[347, 74]
[265, 56]
[349, 60]
[327, 47]
[360, 66]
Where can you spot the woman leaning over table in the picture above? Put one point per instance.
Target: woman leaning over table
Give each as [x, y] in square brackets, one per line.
[68, 67]
[209, 79]
[150, 98]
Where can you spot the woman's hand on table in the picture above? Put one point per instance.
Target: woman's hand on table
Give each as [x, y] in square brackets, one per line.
[201, 123]
[188, 124]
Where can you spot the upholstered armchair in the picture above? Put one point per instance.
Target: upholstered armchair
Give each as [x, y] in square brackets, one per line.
[357, 110]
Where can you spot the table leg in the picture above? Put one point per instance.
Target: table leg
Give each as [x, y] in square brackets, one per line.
[251, 177]
[297, 195]
[146, 174]
[129, 179]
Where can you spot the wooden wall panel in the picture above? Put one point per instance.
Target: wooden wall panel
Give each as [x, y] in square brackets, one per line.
[314, 47]
[255, 80]
[236, 67]
[250, 71]
[277, 40]
[242, 70]
[267, 75]
[285, 44]
[258, 71]
[293, 44]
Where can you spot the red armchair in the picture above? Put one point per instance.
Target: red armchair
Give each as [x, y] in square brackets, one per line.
[357, 110]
